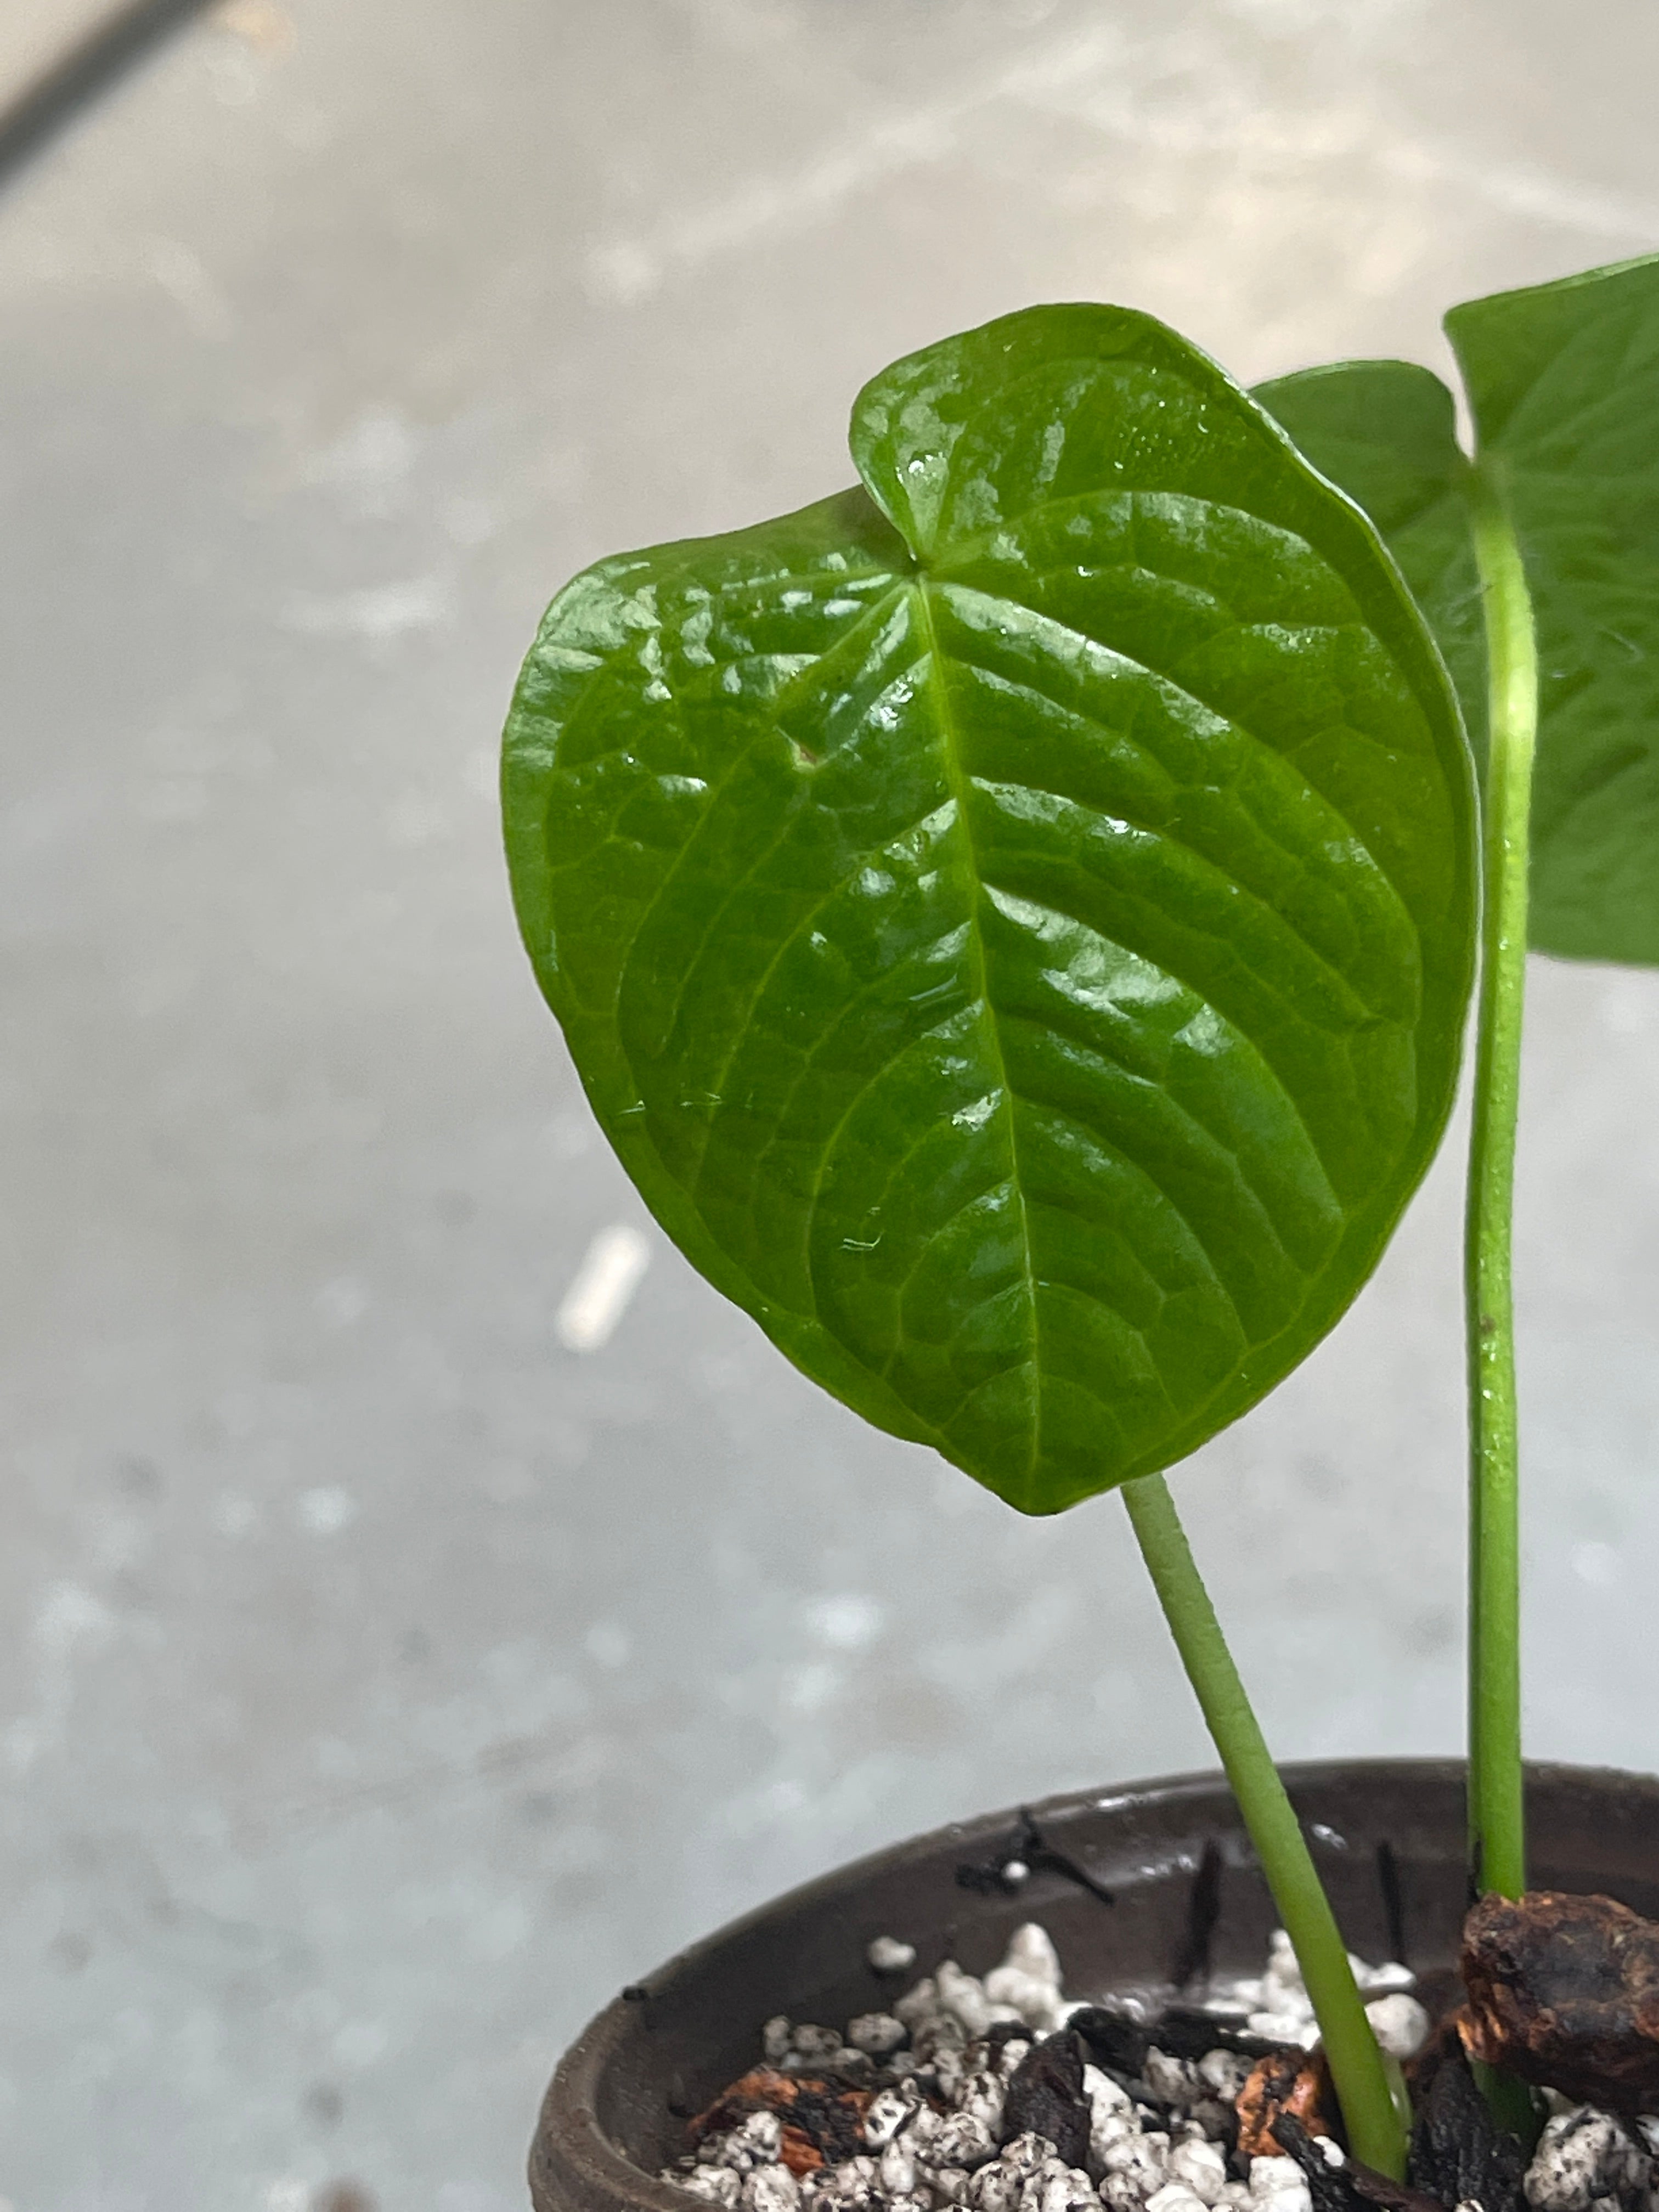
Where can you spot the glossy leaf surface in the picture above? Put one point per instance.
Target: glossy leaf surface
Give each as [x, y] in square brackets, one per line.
[1564, 386]
[1387, 432]
[1013, 920]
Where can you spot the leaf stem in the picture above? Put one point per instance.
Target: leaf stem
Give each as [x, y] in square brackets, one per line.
[1498, 1855]
[1375, 2130]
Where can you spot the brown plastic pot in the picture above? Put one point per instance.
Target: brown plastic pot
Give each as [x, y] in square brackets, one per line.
[1388, 1835]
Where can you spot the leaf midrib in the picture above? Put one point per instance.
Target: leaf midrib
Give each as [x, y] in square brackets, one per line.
[957, 778]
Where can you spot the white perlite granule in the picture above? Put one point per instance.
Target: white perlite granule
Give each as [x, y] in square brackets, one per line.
[1585, 2158]
[1277, 2006]
[887, 1955]
[1164, 2151]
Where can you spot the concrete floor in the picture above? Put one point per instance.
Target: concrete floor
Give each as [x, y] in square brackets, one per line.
[382, 1683]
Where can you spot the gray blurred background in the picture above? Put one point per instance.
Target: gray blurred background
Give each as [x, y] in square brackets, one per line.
[382, 1681]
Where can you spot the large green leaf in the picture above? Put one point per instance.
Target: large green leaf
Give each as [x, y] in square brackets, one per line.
[1014, 922]
[1564, 387]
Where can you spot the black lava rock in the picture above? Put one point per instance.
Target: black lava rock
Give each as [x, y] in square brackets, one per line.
[1458, 2150]
[1045, 2097]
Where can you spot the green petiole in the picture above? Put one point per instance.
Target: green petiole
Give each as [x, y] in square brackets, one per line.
[1377, 2131]
[1498, 1855]
[1497, 1836]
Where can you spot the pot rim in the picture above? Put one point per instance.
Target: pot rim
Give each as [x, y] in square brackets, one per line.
[570, 2110]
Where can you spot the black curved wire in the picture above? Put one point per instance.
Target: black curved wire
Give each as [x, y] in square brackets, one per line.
[82, 75]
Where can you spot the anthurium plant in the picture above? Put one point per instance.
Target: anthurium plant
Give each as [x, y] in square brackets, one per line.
[1016, 920]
